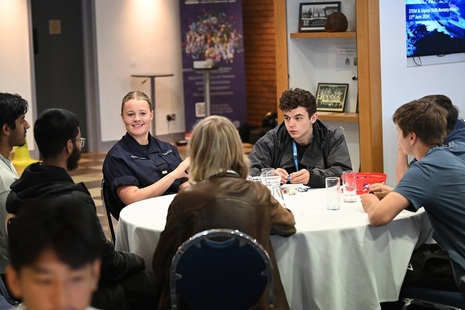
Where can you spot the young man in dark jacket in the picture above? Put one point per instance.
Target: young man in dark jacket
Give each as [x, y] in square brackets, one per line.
[302, 149]
[123, 284]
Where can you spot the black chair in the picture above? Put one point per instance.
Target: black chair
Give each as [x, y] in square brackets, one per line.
[220, 269]
[107, 212]
[438, 299]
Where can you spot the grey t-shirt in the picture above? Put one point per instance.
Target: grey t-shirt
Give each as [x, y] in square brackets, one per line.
[8, 175]
[437, 183]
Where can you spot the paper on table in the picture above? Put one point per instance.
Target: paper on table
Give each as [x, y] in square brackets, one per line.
[292, 188]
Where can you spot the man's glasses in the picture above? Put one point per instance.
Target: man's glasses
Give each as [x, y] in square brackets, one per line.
[82, 140]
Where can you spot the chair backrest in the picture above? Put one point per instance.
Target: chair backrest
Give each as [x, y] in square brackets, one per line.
[107, 212]
[220, 269]
[8, 220]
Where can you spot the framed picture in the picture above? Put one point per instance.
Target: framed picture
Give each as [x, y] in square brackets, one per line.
[331, 97]
[312, 15]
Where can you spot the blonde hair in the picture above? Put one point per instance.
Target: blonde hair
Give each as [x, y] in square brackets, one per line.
[137, 95]
[214, 147]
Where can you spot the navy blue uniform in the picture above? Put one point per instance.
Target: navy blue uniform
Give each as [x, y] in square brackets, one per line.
[129, 163]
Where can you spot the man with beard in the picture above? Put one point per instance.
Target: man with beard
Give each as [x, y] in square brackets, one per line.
[123, 284]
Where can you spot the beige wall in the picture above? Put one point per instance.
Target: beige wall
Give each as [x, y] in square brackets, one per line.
[16, 53]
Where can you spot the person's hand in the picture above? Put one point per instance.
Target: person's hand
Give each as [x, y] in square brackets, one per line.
[380, 190]
[284, 175]
[368, 200]
[180, 171]
[401, 164]
[399, 150]
[300, 177]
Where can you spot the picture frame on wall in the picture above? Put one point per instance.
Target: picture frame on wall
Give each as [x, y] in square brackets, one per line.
[331, 97]
[312, 15]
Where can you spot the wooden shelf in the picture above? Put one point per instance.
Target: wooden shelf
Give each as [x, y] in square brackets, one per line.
[369, 100]
[338, 116]
[330, 116]
[323, 34]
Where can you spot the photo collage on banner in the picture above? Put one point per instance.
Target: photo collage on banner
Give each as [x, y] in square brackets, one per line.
[212, 40]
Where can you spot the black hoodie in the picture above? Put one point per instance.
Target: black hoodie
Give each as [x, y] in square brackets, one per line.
[40, 180]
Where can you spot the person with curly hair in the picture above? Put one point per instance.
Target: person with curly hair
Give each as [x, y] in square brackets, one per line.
[302, 148]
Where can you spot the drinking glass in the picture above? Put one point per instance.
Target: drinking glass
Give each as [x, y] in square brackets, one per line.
[332, 193]
[349, 186]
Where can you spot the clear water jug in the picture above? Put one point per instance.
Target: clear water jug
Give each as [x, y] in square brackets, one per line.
[272, 180]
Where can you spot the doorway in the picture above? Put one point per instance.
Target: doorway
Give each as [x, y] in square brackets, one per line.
[59, 57]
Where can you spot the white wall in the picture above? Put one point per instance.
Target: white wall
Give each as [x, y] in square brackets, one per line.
[138, 37]
[401, 83]
[15, 54]
[313, 61]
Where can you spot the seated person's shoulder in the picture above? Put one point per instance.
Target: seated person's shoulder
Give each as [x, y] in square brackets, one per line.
[116, 150]
[335, 131]
[166, 146]
[460, 124]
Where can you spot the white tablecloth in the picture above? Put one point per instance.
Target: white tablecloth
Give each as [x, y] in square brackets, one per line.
[336, 260]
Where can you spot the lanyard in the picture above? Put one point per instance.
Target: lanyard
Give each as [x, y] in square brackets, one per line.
[296, 158]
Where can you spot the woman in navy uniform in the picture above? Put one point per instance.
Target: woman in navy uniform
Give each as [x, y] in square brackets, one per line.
[139, 166]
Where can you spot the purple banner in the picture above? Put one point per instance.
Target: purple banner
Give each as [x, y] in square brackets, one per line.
[212, 30]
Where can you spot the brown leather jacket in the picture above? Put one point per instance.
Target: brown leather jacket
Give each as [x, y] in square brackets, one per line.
[226, 201]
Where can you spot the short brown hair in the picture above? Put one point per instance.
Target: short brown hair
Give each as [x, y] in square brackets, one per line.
[423, 117]
[214, 147]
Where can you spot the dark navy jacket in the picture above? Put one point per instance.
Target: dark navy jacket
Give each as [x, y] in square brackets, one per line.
[458, 133]
[129, 163]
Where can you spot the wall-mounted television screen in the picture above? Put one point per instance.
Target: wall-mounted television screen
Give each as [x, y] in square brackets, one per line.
[435, 27]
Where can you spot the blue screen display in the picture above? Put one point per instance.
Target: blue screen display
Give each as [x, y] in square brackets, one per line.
[435, 27]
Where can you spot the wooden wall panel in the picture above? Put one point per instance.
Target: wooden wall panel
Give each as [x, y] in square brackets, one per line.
[369, 86]
[260, 58]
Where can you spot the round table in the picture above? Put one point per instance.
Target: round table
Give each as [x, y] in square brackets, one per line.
[336, 260]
